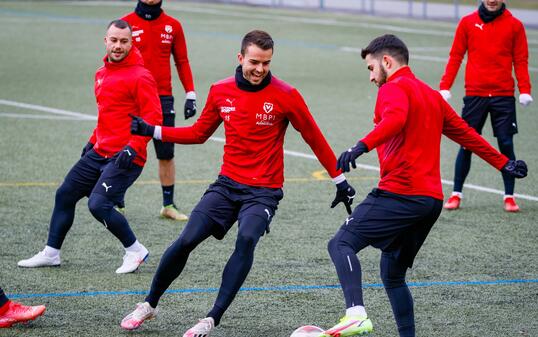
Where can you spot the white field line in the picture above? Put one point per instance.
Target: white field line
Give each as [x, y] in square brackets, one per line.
[81, 116]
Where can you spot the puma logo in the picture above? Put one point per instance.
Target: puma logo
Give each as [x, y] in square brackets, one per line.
[268, 214]
[231, 101]
[128, 152]
[479, 26]
[348, 220]
[106, 187]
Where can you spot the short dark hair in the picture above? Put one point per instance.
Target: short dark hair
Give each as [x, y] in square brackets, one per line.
[387, 44]
[258, 38]
[121, 24]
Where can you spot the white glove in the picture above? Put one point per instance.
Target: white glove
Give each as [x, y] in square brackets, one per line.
[525, 99]
[446, 94]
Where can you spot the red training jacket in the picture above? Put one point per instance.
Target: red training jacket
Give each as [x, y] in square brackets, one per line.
[121, 89]
[491, 49]
[157, 39]
[254, 125]
[409, 119]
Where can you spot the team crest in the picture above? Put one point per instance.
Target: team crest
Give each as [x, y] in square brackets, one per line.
[267, 107]
[168, 29]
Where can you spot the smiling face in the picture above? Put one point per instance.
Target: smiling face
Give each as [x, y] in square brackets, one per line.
[118, 43]
[493, 5]
[255, 63]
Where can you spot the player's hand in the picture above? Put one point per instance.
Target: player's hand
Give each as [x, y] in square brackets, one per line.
[190, 105]
[345, 194]
[86, 148]
[125, 157]
[140, 127]
[190, 108]
[446, 94]
[515, 168]
[525, 99]
[349, 156]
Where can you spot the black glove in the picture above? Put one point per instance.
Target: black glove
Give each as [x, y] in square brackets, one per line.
[140, 127]
[344, 193]
[190, 108]
[86, 148]
[124, 158]
[515, 168]
[349, 157]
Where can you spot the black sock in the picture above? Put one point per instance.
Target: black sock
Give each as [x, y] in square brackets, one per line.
[3, 298]
[168, 195]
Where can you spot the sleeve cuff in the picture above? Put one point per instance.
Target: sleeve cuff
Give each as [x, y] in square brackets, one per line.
[191, 95]
[157, 134]
[340, 178]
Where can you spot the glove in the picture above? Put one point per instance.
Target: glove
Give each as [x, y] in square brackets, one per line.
[344, 193]
[446, 94]
[125, 157]
[190, 108]
[86, 148]
[349, 157]
[515, 168]
[525, 99]
[140, 127]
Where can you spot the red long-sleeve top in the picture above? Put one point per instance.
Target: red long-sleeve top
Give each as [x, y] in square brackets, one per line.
[124, 88]
[492, 49]
[409, 119]
[254, 125]
[157, 40]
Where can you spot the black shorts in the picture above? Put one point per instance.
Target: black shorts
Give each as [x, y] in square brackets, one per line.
[165, 151]
[96, 174]
[394, 223]
[502, 109]
[227, 201]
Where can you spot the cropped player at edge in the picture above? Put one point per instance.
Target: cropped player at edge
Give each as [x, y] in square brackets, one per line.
[256, 109]
[396, 217]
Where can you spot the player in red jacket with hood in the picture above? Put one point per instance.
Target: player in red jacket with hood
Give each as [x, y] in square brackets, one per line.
[494, 41]
[113, 158]
[159, 37]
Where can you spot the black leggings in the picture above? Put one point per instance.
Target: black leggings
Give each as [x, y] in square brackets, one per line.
[199, 228]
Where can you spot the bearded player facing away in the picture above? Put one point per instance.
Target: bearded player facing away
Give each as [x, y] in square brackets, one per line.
[410, 118]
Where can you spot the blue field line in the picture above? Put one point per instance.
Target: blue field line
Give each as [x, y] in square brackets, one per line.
[275, 288]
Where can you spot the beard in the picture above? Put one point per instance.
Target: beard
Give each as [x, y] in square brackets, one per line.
[382, 77]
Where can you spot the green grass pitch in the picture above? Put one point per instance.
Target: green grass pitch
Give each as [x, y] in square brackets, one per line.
[49, 52]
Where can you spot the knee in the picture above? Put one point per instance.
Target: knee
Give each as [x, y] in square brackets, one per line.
[65, 195]
[505, 143]
[99, 206]
[246, 242]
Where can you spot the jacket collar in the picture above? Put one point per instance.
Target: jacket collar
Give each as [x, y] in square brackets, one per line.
[148, 12]
[403, 71]
[245, 85]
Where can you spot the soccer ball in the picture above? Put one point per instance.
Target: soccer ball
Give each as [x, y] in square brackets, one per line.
[307, 331]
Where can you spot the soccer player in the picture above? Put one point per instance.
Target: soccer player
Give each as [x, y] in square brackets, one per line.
[256, 109]
[494, 40]
[159, 36]
[396, 217]
[13, 312]
[113, 158]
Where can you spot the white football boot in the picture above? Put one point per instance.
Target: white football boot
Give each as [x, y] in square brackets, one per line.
[202, 328]
[143, 312]
[40, 260]
[133, 260]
